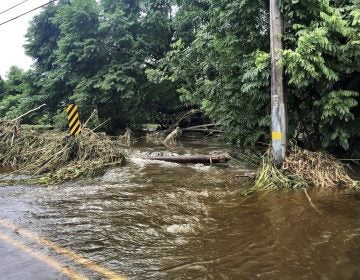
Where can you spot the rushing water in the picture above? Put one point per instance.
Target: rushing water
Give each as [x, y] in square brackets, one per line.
[156, 220]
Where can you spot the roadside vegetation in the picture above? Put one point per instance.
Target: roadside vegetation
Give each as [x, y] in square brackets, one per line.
[152, 61]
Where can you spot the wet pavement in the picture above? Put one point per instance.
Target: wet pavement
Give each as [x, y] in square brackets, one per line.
[16, 264]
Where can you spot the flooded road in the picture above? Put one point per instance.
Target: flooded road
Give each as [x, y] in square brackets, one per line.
[157, 220]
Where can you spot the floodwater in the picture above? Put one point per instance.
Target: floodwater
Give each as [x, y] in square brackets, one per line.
[157, 220]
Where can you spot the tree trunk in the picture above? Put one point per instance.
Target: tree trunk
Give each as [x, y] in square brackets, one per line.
[194, 158]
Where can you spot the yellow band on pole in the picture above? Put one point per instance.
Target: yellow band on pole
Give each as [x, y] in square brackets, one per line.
[73, 118]
[276, 135]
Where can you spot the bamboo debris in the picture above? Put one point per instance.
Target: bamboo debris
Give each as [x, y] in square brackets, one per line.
[58, 157]
[303, 169]
[205, 128]
[127, 139]
[28, 112]
[269, 177]
[74, 171]
[169, 137]
[319, 169]
[170, 140]
[93, 114]
[155, 137]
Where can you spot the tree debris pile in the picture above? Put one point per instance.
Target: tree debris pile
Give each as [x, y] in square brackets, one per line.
[319, 169]
[302, 169]
[58, 157]
[269, 177]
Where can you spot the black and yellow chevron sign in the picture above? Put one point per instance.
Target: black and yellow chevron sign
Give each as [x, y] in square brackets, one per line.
[73, 118]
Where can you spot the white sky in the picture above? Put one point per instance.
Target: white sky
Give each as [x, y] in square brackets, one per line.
[12, 34]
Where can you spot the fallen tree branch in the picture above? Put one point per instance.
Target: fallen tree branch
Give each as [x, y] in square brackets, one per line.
[93, 114]
[246, 175]
[93, 130]
[28, 112]
[200, 126]
[204, 130]
[354, 161]
[170, 140]
[184, 116]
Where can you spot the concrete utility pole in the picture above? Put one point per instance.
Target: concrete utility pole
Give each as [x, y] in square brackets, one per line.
[278, 108]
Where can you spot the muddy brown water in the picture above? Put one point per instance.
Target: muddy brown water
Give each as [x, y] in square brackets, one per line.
[157, 220]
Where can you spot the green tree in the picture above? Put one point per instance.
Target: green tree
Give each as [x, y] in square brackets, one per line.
[322, 62]
[50, 84]
[223, 69]
[16, 93]
[132, 60]
[2, 88]
[97, 54]
[221, 63]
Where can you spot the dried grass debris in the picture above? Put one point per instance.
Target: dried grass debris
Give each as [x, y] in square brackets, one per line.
[58, 157]
[303, 169]
[319, 169]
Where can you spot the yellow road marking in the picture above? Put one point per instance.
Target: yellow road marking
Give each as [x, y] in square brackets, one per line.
[46, 259]
[66, 252]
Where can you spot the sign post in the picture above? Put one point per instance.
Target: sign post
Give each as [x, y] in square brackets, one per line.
[73, 118]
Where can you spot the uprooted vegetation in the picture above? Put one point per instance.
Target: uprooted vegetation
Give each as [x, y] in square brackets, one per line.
[303, 169]
[51, 157]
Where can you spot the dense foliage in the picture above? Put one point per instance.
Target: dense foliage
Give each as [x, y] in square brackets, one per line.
[323, 68]
[225, 69]
[97, 54]
[138, 61]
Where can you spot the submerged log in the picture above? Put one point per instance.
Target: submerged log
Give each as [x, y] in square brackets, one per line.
[194, 158]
